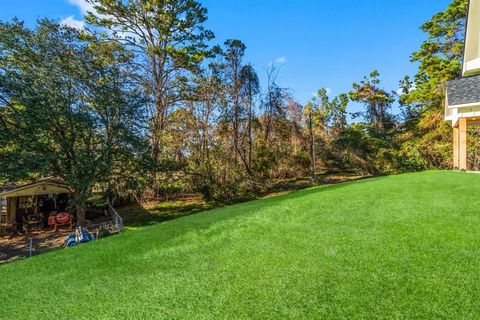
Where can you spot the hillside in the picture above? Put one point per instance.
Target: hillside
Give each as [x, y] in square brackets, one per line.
[405, 246]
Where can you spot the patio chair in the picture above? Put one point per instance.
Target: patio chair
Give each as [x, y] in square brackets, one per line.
[59, 220]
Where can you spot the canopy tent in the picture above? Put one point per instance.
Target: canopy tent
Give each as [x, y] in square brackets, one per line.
[38, 188]
[17, 201]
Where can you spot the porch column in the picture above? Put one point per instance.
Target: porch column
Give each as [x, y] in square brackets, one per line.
[462, 148]
[456, 164]
[12, 209]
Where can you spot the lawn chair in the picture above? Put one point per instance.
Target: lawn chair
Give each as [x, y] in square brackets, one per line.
[59, 220]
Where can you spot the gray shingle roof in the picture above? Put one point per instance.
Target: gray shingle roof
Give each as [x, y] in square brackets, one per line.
[464, 90]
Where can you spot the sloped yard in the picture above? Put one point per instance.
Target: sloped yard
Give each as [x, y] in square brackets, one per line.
[405, 246]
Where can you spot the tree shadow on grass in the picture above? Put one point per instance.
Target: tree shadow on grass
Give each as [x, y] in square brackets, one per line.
[216, 224]
[141, 215]
[149, 233]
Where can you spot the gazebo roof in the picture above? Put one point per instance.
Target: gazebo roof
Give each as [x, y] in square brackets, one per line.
[40, 187]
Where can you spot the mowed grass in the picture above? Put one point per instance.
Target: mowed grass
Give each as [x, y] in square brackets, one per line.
[396, 247]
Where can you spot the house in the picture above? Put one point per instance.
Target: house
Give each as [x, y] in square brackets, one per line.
[462, 103]
[37, 198]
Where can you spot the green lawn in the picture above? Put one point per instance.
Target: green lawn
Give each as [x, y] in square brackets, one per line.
[397, 247]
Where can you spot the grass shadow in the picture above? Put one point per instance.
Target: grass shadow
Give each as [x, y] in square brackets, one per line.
[139, 215]
[147, 214]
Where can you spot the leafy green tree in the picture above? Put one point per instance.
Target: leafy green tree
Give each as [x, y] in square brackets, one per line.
[326, 121]
[410, 112]
[376, 100]
[67, 108]
[338, 113]
[440, 55]
[169, 42]
[427, 140]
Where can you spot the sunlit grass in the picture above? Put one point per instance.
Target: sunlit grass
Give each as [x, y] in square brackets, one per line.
[400, 247]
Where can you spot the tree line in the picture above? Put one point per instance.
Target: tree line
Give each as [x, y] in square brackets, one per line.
[140, 104]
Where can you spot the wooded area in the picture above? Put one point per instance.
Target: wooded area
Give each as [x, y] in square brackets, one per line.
[142, 104]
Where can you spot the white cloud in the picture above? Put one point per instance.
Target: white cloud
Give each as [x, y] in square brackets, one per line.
[82, 5]
[281, 60]
[72, 22]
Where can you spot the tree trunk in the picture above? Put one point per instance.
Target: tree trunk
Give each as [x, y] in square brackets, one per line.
[80, 216]
[312, 148]
[250, 140]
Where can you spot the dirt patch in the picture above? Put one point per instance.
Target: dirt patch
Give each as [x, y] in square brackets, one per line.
[19, 246]
[37, 242]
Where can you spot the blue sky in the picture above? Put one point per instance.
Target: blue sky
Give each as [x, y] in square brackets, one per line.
[318, 43]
